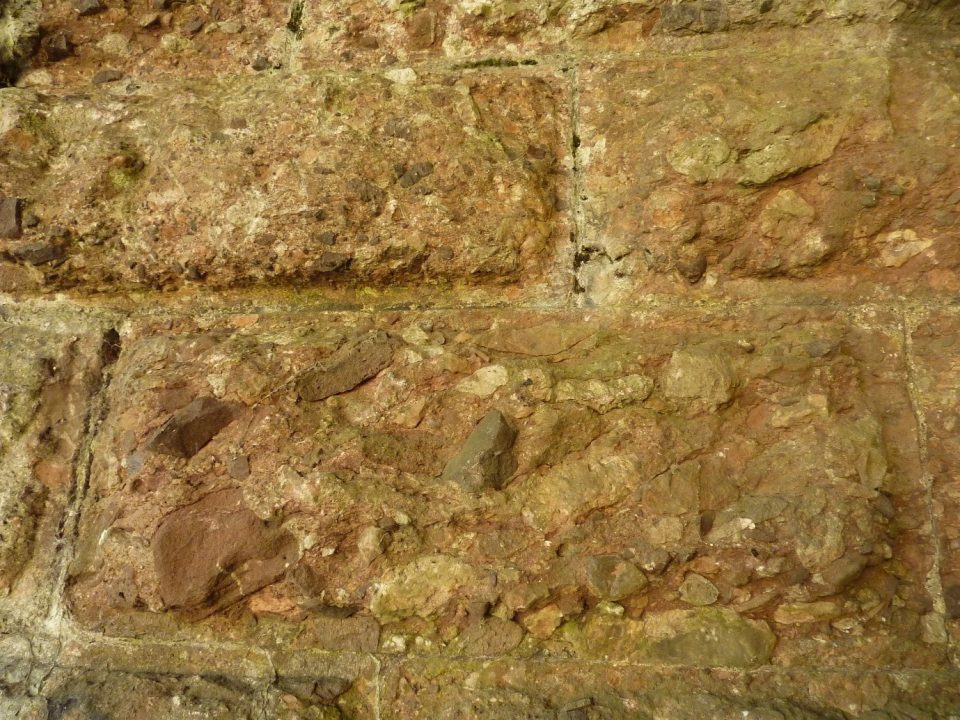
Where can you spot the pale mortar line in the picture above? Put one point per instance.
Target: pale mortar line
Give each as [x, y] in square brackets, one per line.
[378, 705]
[644, 303]
[96, 640]
[934, 582]
[252, 301]
[69, 530]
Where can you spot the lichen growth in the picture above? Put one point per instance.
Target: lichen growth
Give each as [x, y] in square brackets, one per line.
[19, 26]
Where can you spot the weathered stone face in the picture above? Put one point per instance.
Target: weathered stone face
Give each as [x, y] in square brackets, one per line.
[701, 174]
[318, 180]
[567, 359]
[938, 383]
[800, 483]
[427, 687]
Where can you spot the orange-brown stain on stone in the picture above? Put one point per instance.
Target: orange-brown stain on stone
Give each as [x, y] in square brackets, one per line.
[215, 552]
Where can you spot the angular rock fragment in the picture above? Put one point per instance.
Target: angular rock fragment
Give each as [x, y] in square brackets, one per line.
[57, 46]
[10, 217]
[486, 458]
[190, 429]
[421, 588]
[611, 578]
[415, 174]
[701, 373]
[215, 552]
[697, 16]
[537, 341]
[605, 395]
[697, 590]
[107, 75]
[37, 253]
[348, 368]
[88, 7]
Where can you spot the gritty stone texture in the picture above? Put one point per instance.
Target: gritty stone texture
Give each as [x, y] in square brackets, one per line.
[52, 366]
[938, 384]
[719, 173]
[804, 485]
[11, 220]
[344, 198]
[19, 27]
[507, 689]
[575, 360]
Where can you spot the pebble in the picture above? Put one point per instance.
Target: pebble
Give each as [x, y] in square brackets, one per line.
[692, 268]
[189, 430]
[486, 458]
[239, 467]
[699, 591]
[415, 174]
[38, 253]
[192, 26]
[57, 46]
[11, 217]
[106, 76]
[611, 578]
[88, 7]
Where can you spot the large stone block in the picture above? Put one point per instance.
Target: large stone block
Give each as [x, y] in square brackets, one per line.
[509, 32]
[94, 41]
[316, 180]
[749, 171]
[143, 39]
[685, 487]
[53, 360]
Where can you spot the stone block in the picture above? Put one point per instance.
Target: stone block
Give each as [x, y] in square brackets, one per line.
[430, 180]
[798, 485]
[739, 173]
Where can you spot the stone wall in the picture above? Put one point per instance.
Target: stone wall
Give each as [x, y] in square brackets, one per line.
[480, 359]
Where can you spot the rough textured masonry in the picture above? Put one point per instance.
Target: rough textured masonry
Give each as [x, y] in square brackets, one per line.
[559, 359]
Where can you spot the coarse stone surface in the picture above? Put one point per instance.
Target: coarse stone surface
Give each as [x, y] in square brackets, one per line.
[706, 175]
[451, 177]
[53, 366]
[799, 484]
[480, 359]
[934, 338]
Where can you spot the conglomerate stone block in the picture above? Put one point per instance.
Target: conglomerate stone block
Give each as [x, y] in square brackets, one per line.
[572, 359]
[155, 680]
[721, 174]
[692, 487]
[442, 179]
[107, 41]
